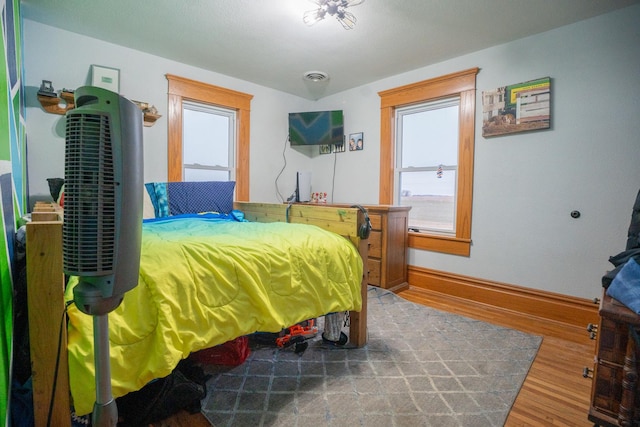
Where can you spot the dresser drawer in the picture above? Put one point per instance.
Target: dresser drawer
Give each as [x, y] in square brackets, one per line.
[374, 266]
[376, 221]
[375, 244]
[607, 388]
[613, 338]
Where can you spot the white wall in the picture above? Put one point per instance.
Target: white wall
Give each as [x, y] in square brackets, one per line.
[525, 184]
[65, 59]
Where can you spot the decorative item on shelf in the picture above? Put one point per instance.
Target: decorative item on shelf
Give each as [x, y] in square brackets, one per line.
[150, 112]
[319, 197]
[53, 103]
[46, 89]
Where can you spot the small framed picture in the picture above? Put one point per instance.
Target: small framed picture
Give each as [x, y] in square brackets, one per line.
[105, 77]
[338, 148]
[325, 149]
[356, 141]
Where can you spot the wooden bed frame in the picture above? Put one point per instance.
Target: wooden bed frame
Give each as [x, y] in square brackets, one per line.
[45, 288]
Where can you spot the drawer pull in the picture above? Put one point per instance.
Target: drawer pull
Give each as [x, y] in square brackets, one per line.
[587, 373]
[593, 329]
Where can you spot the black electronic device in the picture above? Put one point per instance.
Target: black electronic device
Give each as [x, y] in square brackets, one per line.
[316, 128]
[365, 229]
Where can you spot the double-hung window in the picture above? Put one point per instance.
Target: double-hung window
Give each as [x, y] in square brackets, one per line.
[427, 133]
[208, 135]
[208, 142]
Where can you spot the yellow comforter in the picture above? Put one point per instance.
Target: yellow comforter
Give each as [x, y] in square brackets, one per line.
[204, 282]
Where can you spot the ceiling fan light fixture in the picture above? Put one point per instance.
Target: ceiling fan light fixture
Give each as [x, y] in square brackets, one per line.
[336, 8]
[316, 76]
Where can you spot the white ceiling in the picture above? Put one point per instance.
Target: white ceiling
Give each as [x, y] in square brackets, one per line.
[266, 42]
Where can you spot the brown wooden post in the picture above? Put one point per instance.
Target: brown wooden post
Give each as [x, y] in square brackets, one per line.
[45, 295]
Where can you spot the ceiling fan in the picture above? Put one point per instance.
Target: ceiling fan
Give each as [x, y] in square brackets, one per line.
[337, 8]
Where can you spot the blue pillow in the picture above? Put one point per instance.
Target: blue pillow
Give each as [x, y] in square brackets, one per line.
[175, 198]
[625, 287]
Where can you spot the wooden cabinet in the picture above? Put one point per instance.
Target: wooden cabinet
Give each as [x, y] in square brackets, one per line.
[388, 243]
[614, 390]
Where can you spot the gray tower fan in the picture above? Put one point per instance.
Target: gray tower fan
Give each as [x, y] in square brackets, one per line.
[102, 225]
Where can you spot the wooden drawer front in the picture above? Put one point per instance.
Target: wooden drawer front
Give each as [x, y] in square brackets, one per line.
[374, 271]
[376, 221]
[375, 244]
[613, 338]
[608, 388]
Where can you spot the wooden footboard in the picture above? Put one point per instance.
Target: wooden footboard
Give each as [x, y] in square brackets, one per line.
[340, 220]
[45, 287]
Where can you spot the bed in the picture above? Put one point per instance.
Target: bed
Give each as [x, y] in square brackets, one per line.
[207, 325]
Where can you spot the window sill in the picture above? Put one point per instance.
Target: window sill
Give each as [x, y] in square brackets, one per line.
[436, 243]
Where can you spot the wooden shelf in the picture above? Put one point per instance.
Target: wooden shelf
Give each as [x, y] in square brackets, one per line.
[150, 119]
[57, 105]
[65, 102]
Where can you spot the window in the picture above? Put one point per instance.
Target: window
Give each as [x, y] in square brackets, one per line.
[427, 164]
[427, 134]
[208, 143]
[189, 103]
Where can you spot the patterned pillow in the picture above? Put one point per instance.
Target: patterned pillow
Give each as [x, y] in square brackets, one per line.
[175, 198]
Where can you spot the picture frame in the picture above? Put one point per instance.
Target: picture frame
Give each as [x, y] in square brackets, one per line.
[520, 107]
[105, 77]
[356, 141]
[325, 149]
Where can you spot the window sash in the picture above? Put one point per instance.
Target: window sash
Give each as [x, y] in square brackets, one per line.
[220, 136]
[431, 190]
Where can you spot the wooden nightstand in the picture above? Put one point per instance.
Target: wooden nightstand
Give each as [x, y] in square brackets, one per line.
[388, 245]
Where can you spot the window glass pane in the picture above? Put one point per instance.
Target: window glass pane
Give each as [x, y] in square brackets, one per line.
[431, 195]
[191, 174]
[205, 138]
[430, 137]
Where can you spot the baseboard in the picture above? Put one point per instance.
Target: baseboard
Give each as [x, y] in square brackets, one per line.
[546, 305]
[399, 288]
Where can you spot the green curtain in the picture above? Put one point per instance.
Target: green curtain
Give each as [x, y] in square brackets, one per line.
[13, 195]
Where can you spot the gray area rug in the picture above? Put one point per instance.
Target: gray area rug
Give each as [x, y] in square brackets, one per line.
[421, 367]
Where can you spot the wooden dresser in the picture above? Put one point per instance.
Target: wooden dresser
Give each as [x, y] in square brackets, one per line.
[388, 246]
[614, 392]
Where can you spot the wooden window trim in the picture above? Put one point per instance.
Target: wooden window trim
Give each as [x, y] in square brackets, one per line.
[462, 84]
[181, 89]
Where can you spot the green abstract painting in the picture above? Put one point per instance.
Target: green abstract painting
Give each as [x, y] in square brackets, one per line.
[12, 181]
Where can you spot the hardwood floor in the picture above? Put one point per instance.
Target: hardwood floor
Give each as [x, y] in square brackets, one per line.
[554, 392]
